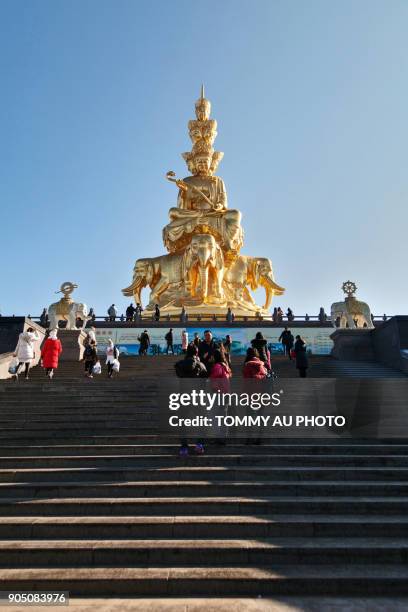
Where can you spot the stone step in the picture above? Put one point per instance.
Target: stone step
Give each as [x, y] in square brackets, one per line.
[54, 411]
[270, 603]
[206, 460]
[202, 506]
[200, 553]
[288, 444]
[140, 447]
[166, 527]
[72, 429]
[328, 579]
[212, 474]
[197, 488]
[63, 422]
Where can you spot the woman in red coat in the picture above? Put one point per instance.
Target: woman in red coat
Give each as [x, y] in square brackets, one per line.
[50, 352]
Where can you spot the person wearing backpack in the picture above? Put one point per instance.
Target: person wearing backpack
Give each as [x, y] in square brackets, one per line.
[90, 357]
[112, 355]
[169, 339]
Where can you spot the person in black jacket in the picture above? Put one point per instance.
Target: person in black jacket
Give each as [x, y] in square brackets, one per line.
[261, 345]
[302, 362]
[90, 357]
[206, 350]
[191, 367]
[287, 340]
[144, 340]
[130, 312]
[169, 340]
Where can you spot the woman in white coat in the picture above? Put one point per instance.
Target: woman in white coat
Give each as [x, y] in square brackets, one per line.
[112, 353]
[25, 350]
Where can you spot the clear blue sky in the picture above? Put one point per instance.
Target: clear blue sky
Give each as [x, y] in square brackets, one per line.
[311, 103]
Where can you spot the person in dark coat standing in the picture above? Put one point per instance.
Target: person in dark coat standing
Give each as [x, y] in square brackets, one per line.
[169, 341]
[302, 362]
[90, 358]
[261, 345]
[144, 340]
[287, 340]
[157, 313]
[50, 352]
[190, 367]
[206, 350]
[130, 312]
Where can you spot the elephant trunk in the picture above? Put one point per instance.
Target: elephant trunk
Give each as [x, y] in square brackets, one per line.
[271, 289]
[134, 290]
[204, 280]
[203, 257]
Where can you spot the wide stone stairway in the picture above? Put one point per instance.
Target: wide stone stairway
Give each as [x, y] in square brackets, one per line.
[93, 502]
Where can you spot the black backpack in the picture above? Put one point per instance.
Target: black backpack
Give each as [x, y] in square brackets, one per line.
[88, 352]
[188, 368]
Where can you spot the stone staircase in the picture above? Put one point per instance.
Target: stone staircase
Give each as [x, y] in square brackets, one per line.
[93, 502]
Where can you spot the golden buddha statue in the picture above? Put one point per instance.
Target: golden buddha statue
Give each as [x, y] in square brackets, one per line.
[202, 199]
[204, 271]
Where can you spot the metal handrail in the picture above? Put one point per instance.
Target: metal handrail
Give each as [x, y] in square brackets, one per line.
[216, 318]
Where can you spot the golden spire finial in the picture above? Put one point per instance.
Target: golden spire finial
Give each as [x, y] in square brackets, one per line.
[202, 91]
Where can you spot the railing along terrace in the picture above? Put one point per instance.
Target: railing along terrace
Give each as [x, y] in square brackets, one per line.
[152, 318]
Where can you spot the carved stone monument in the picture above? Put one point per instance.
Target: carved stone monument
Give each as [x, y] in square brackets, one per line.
[351, 313]
[67, 310]
[203, 271]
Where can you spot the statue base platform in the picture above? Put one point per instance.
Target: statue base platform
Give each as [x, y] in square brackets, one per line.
[72, 344]
[353, 344]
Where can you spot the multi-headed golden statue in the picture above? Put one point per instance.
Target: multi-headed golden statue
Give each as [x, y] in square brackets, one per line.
[204, 271]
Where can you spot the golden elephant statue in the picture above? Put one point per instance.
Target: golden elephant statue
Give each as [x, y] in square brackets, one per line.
[162, 274]
[196, 273]
[252, 272]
